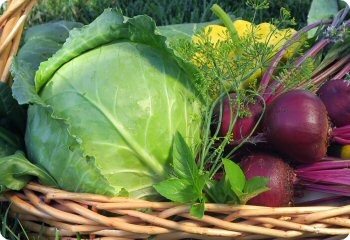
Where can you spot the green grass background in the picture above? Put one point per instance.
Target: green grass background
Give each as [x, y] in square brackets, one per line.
[164, 12]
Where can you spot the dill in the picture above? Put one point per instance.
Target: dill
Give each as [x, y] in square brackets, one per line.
[230, 63]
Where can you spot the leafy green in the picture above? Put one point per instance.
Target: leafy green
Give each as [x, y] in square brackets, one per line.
[243, 188]
[12, 115]
[220, 191]
[111, 100]
[17, 171]
[41, 41]
[235, 176]
[9, 142]
[188, 182]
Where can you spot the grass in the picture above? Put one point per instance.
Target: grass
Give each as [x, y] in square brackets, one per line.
[164, 12]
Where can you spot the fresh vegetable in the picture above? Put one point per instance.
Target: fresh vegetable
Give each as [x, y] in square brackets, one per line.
[331, 175]
[296, 124]
[335, 95]
[133, 110]
[111, 100]
[226, 116]
[15, 170]
[281, 175]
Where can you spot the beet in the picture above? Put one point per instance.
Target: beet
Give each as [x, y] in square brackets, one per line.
[296, 124]
[244, 125]
[331, 175]
[281, 175]
[335, 95]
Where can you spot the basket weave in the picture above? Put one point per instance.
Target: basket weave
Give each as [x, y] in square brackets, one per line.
[45, 210]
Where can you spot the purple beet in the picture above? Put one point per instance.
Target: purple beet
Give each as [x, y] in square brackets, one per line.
[296, 124]
[281, 175]
[331, 175]
[244, 126]
[335, 95]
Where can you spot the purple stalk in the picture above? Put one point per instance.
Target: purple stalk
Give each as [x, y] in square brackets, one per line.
[334, 189]
[276, 87]
[268, 74]
[328, 158]
[330, 176]
[319, 79]
[341, 134]
[329, 163]
[333, 200]
[341, 74]
[341, 140]
[339, 130]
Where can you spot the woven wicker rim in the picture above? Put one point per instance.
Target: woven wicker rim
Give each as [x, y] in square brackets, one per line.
[123, 218]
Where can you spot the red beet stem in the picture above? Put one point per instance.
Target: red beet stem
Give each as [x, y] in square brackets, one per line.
[265, 81]
[334, 189]
[328, 163]
[329, 176]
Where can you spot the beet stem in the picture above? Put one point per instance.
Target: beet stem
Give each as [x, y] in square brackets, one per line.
[334, 189]
[341, 74]
[321, 201]
[329, 163]
[342, 129]
[341, 140]
[319, 79]
[269, 92]
[269, 73]
[329, 176]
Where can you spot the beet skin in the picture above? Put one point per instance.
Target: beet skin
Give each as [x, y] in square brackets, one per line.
[281, 175]
[296, 124]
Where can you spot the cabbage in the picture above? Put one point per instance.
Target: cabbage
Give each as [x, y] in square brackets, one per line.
[105, 108]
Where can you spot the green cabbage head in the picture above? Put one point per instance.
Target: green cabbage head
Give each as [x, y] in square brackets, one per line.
[106, 106]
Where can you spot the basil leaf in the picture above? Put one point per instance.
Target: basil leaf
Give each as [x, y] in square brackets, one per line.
[235, 176]
[183, 161]
[254, 187]
[177, 190]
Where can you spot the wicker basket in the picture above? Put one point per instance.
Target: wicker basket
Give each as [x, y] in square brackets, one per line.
[45, 211]
[11, 28]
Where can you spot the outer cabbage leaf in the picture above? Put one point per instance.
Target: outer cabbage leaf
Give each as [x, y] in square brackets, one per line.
[9, 142]
[110, 102]
[65, 159]
[16, 171]
[41, 41]
[12, 115]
